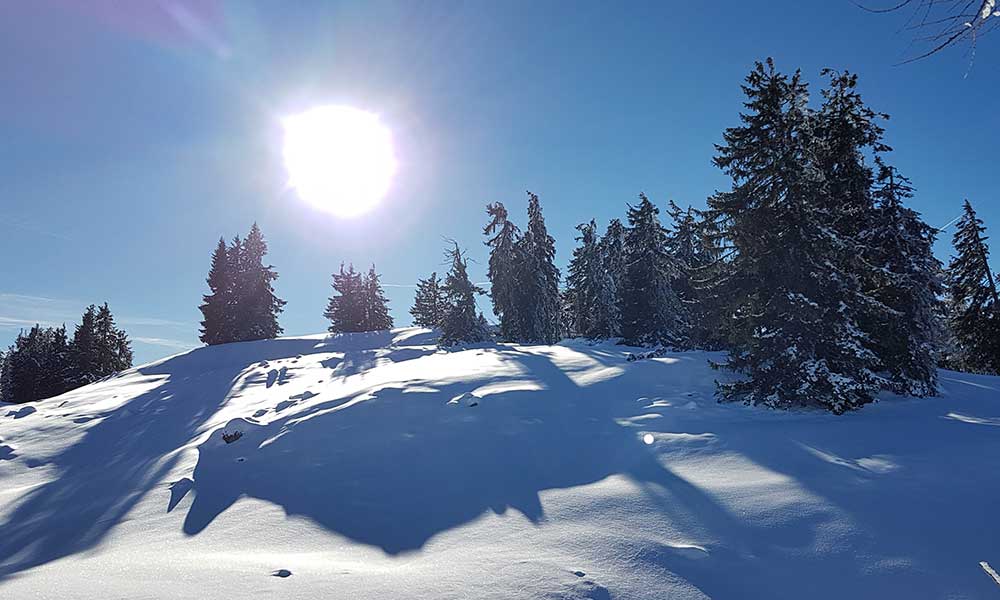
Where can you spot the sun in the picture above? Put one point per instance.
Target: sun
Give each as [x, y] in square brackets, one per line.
[339, 158]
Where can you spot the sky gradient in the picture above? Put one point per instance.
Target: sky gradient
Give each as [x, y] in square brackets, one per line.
[135, 134]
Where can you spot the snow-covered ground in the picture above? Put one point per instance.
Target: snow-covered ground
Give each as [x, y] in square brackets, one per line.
[378, 466]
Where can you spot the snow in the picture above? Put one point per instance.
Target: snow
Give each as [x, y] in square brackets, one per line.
[378, 465]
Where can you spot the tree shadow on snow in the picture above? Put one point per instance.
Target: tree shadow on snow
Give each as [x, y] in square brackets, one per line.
[125, 455]
[392, 468]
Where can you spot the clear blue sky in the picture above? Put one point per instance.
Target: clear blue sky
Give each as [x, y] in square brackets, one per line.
[134, 134]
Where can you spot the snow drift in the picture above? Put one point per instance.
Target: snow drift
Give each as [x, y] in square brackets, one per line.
[378, 465]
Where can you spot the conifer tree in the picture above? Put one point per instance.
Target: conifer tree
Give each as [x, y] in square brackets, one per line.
[590, 291]
[795, 313]
[85, 346]
[906, 278]
[376, 313]
[57, 364]
[236, 306]
[651, 312]
[612, 247]
[538, 302]
[259, 305]
[461, 323]
[580, 288]
[215, 308]
[505, 264]
[843, 131]
[974, 306]
[710, 322]
[696, 255]
[37, 366]
[105, 355]
[429, 304]
[346, 309]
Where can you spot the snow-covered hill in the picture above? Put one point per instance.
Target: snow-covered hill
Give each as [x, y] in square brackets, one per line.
[378, 466]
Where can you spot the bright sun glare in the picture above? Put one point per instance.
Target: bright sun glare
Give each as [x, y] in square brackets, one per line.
[339, 158]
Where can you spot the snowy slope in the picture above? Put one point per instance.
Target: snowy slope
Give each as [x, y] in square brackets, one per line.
[378, 466]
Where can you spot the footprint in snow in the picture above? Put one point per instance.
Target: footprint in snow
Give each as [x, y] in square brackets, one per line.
[281, 573]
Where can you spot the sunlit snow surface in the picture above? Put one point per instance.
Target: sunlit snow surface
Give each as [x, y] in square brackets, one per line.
[379, 466]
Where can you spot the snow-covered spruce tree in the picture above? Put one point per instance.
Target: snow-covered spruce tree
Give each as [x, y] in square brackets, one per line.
[346, 308]
[906, 278]
[259, 304]
[580, 294]
[651, 312]
[696, 255]
[612, 247]
[84, 348]
[235, 319]
[461, 323]
[37, 366]
[429, 303]
[590, 298]
[844, 129]
[376, 305]
[795, 315]
[538, 301]
[974, 307]
[214, 308]
[886, 246]
[113, 351]
[504, 265]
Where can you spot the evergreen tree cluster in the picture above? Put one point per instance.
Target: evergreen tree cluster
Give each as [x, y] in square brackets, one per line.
[450, 305]
[241, 304]
[360, 304]
[524, 281]
[43, 362]
[831, 288]
[642, 282]
[810, 271]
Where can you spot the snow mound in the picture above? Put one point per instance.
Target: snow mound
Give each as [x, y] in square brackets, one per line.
[379, 465]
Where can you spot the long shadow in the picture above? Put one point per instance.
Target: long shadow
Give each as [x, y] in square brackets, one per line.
[906, 485]
[123, 456]
[393, 469]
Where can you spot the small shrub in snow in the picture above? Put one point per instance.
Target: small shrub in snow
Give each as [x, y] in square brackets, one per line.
[229, 438]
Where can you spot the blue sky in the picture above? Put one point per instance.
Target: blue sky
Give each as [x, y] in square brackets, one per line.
[135, 134]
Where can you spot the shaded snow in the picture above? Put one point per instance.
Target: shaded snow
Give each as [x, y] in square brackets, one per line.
[377, 465]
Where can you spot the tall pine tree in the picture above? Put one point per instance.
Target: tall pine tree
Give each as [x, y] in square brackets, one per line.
[460, 323]
[215, 307]
[612, 247]
[430, 303]
[376, 314]
[651, 312]
[696, 255]
[538, 302]
[258, 303]
[504, 270]
[905, 278]
[346, 309]
[590, 298]
[84, 349]
[796, 328]
[974, 307]
[108, 356]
